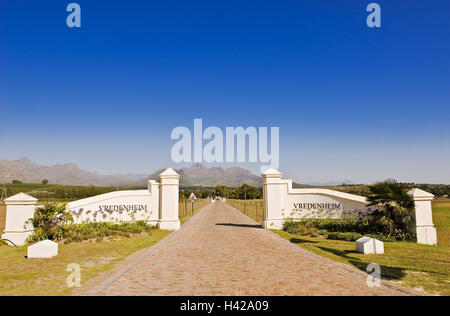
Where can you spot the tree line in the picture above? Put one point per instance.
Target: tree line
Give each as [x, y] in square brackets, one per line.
[45, 191]
[53, 192]
[242, 192]
[438, 190]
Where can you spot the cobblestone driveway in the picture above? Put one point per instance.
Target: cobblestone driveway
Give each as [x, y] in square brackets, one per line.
[222, 252]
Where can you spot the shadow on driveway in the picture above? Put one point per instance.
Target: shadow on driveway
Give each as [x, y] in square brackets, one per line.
[239, 225]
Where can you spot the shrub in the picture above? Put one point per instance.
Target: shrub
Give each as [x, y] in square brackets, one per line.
[299, 228]
[322, 232]
[396, 235]
[332, 225]
[349, 236]
[97, 231]
[49, 222]
[345, 229]
[344, 236]
[52, 222]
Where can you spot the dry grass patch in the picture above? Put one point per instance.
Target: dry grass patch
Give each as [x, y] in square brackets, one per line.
[21, 276]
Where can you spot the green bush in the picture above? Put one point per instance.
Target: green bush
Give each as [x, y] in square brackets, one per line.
[396, 236]
[344, 236]
[332, 225]
[322, 232]
[49, 222]
[52, 222]
[345, 229]
[97, 231]
[299, 228]
[349, 236]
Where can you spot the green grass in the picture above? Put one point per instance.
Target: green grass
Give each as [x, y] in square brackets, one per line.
[21, 276]
[416, 266]
[441, 219]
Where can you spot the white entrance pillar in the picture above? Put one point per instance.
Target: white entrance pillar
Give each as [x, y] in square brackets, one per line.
[426, 233]
[168, 201]
[273, 193]
[19, 209]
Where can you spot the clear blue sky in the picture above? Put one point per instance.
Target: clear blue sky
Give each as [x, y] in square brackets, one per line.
[351, 102]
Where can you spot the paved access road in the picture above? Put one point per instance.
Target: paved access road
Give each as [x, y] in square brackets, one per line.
[222, 252]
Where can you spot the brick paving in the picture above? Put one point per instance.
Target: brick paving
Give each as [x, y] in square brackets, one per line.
[222, 252]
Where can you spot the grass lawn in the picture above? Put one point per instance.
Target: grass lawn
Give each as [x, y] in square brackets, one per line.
[417, 266]
[21, 276]
[441, 219]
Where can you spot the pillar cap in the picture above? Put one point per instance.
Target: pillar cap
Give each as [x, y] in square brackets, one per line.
[20, 197]
[272, 173]
[169, 174]
[420, 194]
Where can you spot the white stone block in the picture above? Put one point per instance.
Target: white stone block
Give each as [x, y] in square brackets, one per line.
[42, 250]
[367, 245]
[426, 235]
[169, 225]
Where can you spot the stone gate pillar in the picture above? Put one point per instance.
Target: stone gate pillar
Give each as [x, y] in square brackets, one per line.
[19, 209]
[273, 194]
[168, 200]
[426, 233]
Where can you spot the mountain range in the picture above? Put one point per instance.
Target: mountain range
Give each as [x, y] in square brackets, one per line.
[26, 171]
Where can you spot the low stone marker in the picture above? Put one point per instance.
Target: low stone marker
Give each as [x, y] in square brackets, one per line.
[367, 245]
[43, 250]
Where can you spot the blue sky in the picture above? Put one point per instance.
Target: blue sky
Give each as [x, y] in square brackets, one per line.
[351, 102]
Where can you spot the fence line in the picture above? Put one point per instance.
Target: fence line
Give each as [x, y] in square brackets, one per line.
[251, 208]
[2, 217]
[186, 208]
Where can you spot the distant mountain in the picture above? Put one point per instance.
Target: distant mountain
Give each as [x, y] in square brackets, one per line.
[198, 174]
[26, 171]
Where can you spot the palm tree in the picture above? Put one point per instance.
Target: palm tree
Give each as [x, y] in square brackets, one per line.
[394, 207]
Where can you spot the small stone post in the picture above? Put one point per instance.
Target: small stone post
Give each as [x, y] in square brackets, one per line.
[426, 233]
[168, 201]
[273, 199]
[19, 209]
